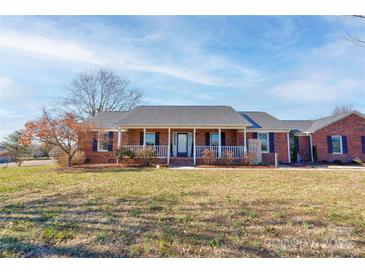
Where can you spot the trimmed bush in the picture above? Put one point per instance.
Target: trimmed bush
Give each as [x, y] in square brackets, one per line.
[146, 155]
[208, 156]
[227, 157]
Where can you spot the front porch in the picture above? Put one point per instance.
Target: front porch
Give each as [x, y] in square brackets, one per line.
[174, 144]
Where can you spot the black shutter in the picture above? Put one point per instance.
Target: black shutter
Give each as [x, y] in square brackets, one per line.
[223, 138]
[157, 138]
[344, 144]
[110, 143]
[95, 144]
[254, 135]
[329, 144]
[363, 144]
[296, 142]
[271, 142]
[141, 138]
[207, 138]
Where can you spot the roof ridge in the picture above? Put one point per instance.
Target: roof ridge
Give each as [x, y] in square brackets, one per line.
[297, 120]
[184, 106]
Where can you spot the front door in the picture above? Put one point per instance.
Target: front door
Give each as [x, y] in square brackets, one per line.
[182, 145]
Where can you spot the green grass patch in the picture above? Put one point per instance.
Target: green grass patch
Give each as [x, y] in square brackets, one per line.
[48, 212]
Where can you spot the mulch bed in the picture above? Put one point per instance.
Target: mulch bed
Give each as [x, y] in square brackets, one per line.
[223, 166]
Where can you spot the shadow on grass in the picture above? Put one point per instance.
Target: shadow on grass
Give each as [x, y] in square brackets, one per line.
[12, 245]
[113, 228]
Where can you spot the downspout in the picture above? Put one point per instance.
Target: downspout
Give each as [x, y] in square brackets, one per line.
[288, 137]
[311, 146]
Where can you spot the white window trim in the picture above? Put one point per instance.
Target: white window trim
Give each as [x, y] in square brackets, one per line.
[341, 147]
[268, 141]
[102, 132]
[210, 137]
[154, 141]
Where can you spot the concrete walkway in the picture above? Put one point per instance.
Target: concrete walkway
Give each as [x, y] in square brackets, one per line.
[318, 168]
[30, 163]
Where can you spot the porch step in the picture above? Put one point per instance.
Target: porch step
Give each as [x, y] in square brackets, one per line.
[181, 161]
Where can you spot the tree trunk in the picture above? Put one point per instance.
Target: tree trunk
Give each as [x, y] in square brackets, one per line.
[69, 158]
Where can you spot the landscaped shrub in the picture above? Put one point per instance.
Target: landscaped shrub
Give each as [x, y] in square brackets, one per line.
[77, 159]
[208, 156]
[146, 155]
[227, 157]
[248, 159]
[125, 154]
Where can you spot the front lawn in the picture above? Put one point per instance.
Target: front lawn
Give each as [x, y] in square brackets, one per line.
[45, 212]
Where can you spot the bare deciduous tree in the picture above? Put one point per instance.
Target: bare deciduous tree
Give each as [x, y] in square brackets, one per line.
[101, 90]
[358, 41]
[342, 109]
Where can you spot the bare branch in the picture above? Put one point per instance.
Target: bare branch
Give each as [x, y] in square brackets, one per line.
[101, 90]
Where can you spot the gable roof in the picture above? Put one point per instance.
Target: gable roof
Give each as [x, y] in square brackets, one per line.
[326, 121]
[203, 116]
[263, 120]
[298, 125]
[106, 119]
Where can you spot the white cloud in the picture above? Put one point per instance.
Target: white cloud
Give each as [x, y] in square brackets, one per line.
[314, 89]
[195, 66]
[5, 82]
[59, 48]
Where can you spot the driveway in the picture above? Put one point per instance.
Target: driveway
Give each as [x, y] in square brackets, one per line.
[31, 163]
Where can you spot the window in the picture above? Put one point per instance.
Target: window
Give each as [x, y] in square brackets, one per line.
[150, 138]
[264, 139]
[336, 144]
[103, 140]
[214, 139]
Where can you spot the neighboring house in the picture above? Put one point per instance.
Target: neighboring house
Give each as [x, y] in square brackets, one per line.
[334, 138]
[182, 133]
[4, 155]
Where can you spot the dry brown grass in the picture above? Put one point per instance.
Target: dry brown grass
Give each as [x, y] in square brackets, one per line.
[181, 213]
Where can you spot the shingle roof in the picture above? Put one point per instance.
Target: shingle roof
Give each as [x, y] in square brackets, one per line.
[325, 121]
[183, 116]
[106, 119]
[263, 120]
[299, 125]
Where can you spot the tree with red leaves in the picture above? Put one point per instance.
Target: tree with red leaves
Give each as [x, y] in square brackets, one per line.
[64, 132]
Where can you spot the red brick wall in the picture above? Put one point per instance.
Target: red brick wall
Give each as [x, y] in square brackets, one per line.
[233, 138]
[304, 148]
[280, 144]
[132, 137]
[100, 157]
[351, 126]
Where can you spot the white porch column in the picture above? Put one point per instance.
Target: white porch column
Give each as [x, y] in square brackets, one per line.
[311, 144]
[219, 143]
[244, 141]
[168, 145]
[289, 159]
[119, 138]
[194, 149]
[144, 138]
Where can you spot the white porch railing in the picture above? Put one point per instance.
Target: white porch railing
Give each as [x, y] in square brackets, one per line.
[161, 150]
[237, 151]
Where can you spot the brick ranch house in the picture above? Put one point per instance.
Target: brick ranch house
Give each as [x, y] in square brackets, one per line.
[334, 138]
[179, 134]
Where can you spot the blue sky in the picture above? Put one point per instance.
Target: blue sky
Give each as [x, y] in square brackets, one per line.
[293, 67]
